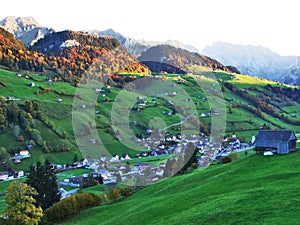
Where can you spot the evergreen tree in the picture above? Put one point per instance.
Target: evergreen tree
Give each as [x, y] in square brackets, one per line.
[100, 179]
[75, 159]
[5, 161]
[89, 181]
[44, 180]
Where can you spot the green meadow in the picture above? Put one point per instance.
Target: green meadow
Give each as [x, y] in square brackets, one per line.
[254, 189]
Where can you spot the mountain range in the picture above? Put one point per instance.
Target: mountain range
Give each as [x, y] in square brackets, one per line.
[252, 60]
[257, 61]
[137, 47]
[70, 53]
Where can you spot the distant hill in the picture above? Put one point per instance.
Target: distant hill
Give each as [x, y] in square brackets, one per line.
[137, 47]
[256, 61]
[166, 58]
[83, 49]
[25, 28]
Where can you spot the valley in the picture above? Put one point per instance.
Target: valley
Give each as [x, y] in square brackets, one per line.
[128, 130]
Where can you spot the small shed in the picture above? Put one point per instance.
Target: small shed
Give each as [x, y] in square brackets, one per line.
[276, 141]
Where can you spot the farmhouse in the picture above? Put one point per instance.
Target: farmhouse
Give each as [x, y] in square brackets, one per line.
[276, 141]
[3, 176]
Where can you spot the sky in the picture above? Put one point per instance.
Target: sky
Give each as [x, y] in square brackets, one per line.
[273, 24]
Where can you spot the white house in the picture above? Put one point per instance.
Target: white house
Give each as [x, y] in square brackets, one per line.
[3, 176]
[93, 141]
[24, 154]
[114, 158]
[125, 157]
[31, 84]
[19, 174]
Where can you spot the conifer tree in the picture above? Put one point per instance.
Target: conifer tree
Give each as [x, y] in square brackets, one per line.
[44, 180]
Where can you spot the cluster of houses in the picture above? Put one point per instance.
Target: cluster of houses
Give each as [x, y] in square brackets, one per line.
[110, 168]
[116, 172]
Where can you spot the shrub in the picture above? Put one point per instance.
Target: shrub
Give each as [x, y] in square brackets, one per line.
[20, 138]
[226, 159]
[126, 191]
[194, 165]
[112, 194]
[70, 206]
[234, 155]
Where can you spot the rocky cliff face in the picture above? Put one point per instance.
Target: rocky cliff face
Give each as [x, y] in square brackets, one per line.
[26, 29]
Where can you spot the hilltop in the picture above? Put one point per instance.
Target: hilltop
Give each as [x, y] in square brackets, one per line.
[158, 57]
[252, 190]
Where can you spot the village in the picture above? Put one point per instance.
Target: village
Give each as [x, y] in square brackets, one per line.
[143, 168]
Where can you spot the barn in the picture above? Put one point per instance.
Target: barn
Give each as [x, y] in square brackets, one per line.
[276, 141]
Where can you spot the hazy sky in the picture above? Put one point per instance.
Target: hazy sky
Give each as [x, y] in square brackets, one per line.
[273, 24]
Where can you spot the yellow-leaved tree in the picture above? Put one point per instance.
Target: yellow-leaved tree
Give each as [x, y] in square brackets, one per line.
[20, 207]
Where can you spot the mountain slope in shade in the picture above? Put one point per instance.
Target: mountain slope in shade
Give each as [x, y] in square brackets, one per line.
[137, 47]
[256, 61]
[56, 42]
[25, 28]
[167, 58]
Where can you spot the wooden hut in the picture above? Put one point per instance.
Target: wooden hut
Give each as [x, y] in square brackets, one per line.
[276, 141]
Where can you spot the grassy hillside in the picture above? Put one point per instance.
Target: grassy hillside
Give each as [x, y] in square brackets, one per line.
[19, 88]
[243, 122]
[253, 190]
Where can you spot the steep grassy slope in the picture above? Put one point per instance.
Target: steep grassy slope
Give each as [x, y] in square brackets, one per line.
[19, 88]
[253, 190]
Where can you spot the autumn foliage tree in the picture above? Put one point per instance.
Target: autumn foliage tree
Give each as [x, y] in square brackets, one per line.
[21, 207]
